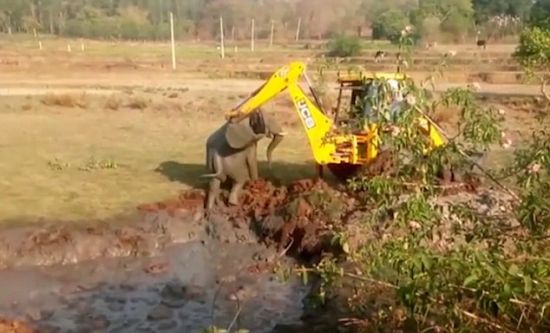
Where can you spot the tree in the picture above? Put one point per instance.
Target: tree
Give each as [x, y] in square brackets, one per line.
[540, 14]
[485, 9]
[454, 16]
[389, 25]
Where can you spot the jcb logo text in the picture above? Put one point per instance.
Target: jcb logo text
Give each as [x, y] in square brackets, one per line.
[305, 114]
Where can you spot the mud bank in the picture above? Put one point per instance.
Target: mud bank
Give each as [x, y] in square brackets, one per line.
[172, 269]
[279, 215]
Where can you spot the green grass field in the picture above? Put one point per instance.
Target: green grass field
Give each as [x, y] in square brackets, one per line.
[73, 163]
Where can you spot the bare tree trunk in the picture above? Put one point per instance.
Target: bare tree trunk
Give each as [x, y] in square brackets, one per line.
[61, 23]
[39, 12]
[33, 11]
[271, 34]
[298, 29]
[52, 31]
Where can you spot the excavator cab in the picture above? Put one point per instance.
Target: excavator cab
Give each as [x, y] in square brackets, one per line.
[353, 88]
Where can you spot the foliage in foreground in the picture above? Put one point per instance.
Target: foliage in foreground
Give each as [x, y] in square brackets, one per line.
[436, 266]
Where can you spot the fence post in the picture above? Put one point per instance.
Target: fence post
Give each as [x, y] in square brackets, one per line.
[298, 29]
[222, 42]
[271, 34]
[252, 36]
[172, 41]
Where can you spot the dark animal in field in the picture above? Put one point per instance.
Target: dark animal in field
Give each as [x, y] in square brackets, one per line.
[482, 43]
[379, 56]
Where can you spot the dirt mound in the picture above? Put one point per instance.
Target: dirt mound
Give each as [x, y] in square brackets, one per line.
[303, 218]
[299, 217]
[192, 200]
[14, 326]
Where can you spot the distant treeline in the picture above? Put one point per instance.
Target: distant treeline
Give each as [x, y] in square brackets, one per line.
[149, 19]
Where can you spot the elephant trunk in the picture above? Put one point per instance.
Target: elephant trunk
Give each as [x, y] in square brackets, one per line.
[277, 138]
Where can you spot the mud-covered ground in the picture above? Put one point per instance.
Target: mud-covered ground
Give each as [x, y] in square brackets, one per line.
[173, 268]
[170, 268]
[186, 289]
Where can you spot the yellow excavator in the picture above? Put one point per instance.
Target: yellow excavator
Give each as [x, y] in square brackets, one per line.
[343, 154]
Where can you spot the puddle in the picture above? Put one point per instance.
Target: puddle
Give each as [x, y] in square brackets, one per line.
[188, 288]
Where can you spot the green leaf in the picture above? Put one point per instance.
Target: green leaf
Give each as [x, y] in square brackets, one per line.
[513, 270]
[426, 261]
[543, 310]
[507, 289]
[470, 280]
[528, 284]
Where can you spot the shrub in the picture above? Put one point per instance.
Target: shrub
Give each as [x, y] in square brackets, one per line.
[344, 46]
[533, 51]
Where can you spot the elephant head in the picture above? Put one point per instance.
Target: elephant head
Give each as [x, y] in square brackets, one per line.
[241, 134]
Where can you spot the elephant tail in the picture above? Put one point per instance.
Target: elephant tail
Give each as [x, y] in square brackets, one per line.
[212, 175]
[214, 163]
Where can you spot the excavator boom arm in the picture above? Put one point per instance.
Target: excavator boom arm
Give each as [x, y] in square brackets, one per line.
[325, 148]
[316, 124]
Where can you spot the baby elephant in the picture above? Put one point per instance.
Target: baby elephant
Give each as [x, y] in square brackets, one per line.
[231, 153]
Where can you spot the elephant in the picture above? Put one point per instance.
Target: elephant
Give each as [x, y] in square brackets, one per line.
[231, 152]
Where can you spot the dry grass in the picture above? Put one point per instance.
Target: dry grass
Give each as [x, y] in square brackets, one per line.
[113, 103]
[64, 100]
[139, 103]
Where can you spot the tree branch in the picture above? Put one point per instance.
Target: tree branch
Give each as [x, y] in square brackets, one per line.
[543, 89]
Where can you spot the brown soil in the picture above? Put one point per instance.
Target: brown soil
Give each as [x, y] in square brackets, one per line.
[301, 217]
[14, 326]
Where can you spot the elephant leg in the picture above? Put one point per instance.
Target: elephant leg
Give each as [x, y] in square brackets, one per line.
[320, 171]
[252, 161]
[213, 192]
[234, 194]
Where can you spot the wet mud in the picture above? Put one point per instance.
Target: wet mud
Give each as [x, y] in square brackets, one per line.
[186, 289]
[171, 269]
[174, 268]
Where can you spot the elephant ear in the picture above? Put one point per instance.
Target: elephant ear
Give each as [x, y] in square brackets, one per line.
[273, 127]
[239, 135]
[257, 122]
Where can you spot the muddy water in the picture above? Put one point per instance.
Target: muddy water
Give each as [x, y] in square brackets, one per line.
[186, 289]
